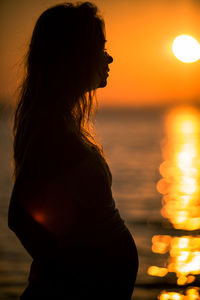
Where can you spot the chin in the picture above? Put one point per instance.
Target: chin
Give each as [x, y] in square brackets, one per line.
[103, 83]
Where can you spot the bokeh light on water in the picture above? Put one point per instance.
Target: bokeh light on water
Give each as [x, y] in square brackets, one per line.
[180, 189]
[181, 170]
[191, 294]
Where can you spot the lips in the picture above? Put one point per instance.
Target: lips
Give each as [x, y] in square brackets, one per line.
[107, 72]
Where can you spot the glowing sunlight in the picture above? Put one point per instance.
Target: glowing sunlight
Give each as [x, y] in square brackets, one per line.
[186, 48]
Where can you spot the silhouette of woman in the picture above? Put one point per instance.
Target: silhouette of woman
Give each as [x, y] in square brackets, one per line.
[61, 206]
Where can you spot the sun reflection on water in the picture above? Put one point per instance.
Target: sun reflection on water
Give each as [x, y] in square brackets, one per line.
[184, 257]
[181, 170]
[180, 188]
[191, 294]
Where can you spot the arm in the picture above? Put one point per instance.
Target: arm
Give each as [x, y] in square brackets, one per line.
[57, 216]
[32, 222]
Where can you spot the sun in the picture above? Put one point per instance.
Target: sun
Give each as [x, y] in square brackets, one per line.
[186, 48]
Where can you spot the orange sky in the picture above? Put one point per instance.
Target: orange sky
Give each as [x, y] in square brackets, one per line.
[139, 34]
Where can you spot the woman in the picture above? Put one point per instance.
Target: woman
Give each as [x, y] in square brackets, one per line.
[61, 207]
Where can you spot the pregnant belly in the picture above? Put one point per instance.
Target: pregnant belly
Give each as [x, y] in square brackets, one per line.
[114, 267]
[113, 232]
[121, 250]
[116, 252]
[105, 259]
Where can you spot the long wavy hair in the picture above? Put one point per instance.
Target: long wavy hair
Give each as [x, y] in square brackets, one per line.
[60, 64]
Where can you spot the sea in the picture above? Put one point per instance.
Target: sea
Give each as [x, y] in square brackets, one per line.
[131, 139]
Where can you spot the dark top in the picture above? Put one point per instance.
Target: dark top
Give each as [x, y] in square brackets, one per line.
[69, 224]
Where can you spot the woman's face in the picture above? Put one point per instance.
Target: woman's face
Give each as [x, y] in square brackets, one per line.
[100, 78]
[104, 68]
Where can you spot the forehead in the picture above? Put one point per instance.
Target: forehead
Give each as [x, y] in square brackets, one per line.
[100, 30]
